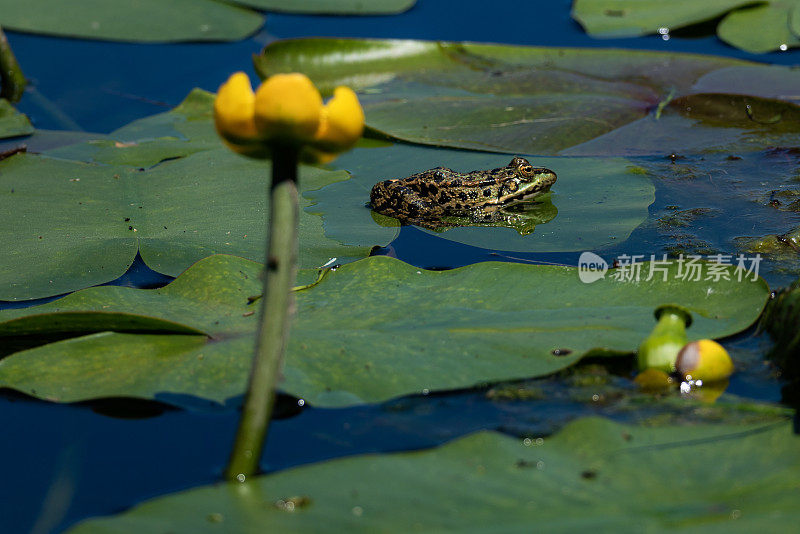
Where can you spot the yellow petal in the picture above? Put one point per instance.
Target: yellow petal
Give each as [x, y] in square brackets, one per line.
[234, 110]
[342, 122]
[288, 108]
[704, 360]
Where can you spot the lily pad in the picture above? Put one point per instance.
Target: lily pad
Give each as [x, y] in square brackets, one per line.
[69, 225]
[369, 331]
[184, 130]
[762, 28]
[493, 482]
[12, 122]
[518, 99]
[332, 7]
[140, 21]
[599, 202]
[756, 28]
[631, 18]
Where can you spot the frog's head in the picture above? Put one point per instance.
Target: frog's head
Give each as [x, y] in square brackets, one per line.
[525, 181]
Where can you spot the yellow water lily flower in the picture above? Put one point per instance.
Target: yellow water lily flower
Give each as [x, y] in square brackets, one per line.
[705, 361]
[286, 110]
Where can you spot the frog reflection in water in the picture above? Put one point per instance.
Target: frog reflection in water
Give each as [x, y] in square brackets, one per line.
[441, 197]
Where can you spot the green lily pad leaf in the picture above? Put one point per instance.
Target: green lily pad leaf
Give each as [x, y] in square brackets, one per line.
[332, 7]
[45, 140]
[631, 18]
[598, 201]
[12, 122]
[185, 130]
[760, 28]
[497, 483]
[69, 225]
[140, 21]
[765, 81]
[518, 99]
[764, 27]
[481, 323]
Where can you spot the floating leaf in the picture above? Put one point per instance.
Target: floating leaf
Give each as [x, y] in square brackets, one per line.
[69, 225]
[761, 28]
[184, 130]
[528, 100]
[599, 201]
[755, 28]
[140, 21]
[593, 473]
[631, 18]
[12, 122]
[369, 331]
[332, 7]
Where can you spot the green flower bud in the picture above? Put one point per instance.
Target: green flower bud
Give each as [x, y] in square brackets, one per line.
[660, 349]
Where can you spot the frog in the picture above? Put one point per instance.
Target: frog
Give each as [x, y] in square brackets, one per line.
[442, 197]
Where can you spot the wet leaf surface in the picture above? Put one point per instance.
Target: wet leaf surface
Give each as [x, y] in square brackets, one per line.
[530, 100]
[70, 225]
[12, 122]
[598, 201]
[496, 482]
[763, 27]
[180, 132]
[332, 7]
[140, 21]
[369, 331]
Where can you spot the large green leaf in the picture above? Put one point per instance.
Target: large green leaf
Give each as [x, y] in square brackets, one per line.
[631, 18]
[12, 122]
[530, 100]
[334, 7]
[182, 131]
[140, 21]
[69, 225]
[593, 475]
[756, 28]
[599, 201]
[762, 28]
[371, 330]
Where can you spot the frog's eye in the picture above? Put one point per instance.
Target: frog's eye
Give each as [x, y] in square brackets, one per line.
[526, 168]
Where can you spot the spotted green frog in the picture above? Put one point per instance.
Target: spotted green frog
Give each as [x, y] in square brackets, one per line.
[442, 197]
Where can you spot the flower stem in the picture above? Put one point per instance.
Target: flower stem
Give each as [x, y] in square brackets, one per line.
[276, 306]
[12, 81]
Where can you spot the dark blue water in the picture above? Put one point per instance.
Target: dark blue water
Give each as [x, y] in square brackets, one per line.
[100, 458]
